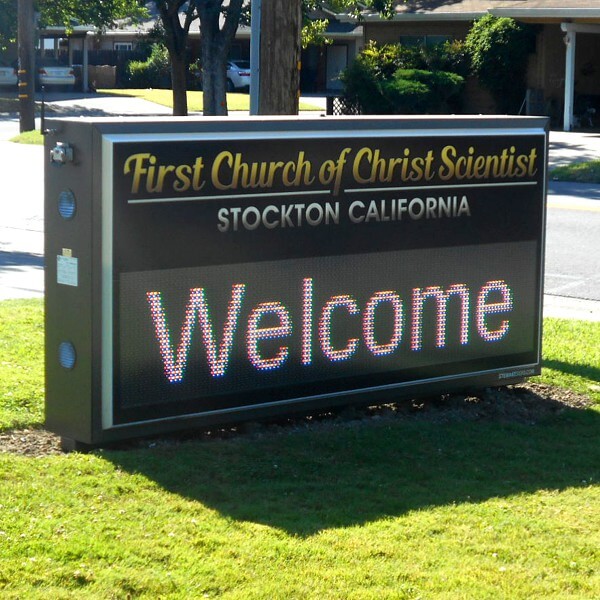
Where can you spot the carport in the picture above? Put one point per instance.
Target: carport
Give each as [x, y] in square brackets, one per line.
[571, 30]
[78, 39]
[577, 18]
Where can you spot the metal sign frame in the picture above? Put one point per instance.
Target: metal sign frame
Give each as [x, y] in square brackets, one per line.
[90, 273]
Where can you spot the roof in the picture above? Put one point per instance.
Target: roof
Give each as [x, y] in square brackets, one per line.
[467, 10]
[335, 29]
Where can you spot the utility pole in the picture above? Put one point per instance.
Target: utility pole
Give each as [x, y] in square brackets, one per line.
[25, 27]
[255, 56]
[281, 27]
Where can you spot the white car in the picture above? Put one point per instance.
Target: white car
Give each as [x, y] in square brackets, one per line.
[8, 76]
[238, 75]
[52, 73]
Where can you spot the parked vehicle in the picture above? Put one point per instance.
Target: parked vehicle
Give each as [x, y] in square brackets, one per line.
[52, 73]
[8, 75]
[238, 75]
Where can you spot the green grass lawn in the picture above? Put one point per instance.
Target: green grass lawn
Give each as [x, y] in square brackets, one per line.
[585, 172]
[195, 100]
[29, 137]
[370, 509]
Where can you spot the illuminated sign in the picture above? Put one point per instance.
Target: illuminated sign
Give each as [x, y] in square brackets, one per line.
[246, 268]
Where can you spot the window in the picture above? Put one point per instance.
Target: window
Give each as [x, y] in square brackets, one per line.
[123, 46]
[427, 41]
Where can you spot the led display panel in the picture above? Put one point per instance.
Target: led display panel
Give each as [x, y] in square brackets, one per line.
[277, 265]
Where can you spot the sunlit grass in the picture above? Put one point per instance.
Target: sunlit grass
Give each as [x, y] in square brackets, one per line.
[379, 508]
[584, 172]
[29, 137]
[21, 363]
[235, 101]
[571, 352]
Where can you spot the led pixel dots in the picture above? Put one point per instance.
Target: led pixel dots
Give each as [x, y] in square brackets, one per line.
[336, 331]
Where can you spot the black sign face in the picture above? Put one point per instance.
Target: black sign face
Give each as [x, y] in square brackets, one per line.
[276, 267]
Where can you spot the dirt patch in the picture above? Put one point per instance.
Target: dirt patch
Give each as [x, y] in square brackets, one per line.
[527, 403]
[30, 442]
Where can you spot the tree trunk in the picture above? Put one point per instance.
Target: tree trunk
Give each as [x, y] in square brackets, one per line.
[215, 45]
[179, 84]
[281, 26]
[213, 65]
[176, 42]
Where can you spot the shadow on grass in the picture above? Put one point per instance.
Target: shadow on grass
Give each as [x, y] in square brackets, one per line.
[581, 370]
[348, 473]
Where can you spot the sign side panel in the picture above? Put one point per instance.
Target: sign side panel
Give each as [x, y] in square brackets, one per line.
[68, 288]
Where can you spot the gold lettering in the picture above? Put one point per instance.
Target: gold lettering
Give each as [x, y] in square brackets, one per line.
[138, 169]
[360, 155]
[446, 171]
[532, 169]
[227, 158]
[183, 178]
[197, 183]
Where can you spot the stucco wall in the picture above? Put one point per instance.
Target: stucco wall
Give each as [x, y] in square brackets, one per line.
[390, 32]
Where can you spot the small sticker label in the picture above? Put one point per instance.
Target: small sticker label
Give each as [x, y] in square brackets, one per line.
[66, 270]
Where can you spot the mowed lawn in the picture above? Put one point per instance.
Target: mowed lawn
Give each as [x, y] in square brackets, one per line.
[235, 101]
[387, 507]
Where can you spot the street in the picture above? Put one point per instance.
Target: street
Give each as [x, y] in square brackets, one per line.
[572, 243]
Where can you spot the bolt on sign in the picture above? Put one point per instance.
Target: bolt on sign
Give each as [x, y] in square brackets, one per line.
[206, 271]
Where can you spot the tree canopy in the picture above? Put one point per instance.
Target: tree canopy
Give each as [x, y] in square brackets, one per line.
[8, 23]
[103, 14]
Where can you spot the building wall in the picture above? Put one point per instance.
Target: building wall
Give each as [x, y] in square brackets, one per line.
[388, 32]
[546, 72]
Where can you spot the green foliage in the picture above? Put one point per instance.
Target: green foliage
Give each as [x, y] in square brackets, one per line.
[416, 91]
[498, 49]
[313, 32]
[155, 72]
[392, 79]
[451, 56]
[8, 23]
[103, 14]
[442, 89]
[314, 29]
[100, 13]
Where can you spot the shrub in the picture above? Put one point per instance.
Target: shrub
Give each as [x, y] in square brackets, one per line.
[393, 79]
[498, 50]
[407, 96]
[155, 72]
[414, 91]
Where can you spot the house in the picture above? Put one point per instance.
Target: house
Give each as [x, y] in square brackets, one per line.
[563, 77]
[321, 65]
